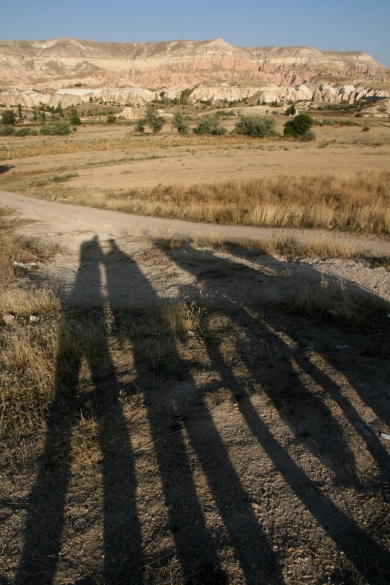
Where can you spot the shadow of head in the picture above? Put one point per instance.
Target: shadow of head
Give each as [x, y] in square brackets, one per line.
[6, 168]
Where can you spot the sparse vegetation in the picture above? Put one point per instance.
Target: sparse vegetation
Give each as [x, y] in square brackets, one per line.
[331, 301]
[291, 110]
[298, 127]
[24, 131]
[181, 123]
[6, 130]
[255, 126]
[60, 128]
[8, 118]
[153, 120]
[75, 118]
[210, 125]
[309, 136]
[63, 178]
[111, 119]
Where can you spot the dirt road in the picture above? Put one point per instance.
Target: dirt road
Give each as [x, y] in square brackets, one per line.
[69, 225]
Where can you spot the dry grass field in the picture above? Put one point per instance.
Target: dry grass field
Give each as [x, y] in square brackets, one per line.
[196, 410]
[341, 181]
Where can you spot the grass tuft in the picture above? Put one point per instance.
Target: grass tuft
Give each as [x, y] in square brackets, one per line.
[331, 301]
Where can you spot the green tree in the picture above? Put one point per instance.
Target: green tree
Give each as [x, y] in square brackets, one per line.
[185, 94]
[291, 111]
[153, 120]
[43, 116]
[181, 123]
[8, 118]
[20, 111]
[35, 116]
[75, 118]
[298, 126]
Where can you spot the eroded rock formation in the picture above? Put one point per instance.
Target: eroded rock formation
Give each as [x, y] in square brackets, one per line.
[74, 72]
[56, 63]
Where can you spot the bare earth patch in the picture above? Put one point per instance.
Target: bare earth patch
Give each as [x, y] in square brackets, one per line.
[193, 412]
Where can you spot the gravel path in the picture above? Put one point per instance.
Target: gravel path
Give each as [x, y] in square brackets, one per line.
[71, 225]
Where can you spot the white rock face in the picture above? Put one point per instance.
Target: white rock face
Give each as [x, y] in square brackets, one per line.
[132, 97]
[60, 62]
[75, 96]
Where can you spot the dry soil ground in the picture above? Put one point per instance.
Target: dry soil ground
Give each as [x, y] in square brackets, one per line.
[113, 158]
[210, 416]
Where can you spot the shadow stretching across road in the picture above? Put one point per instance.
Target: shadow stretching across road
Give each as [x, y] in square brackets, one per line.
[195, 546]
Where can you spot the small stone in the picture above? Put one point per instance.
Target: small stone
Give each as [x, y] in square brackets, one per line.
[8, 318]
[34, 318]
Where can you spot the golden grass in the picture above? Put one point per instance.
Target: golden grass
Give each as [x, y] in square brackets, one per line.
[18, 248]
[359, 202]
[290, 247]
[330, 300]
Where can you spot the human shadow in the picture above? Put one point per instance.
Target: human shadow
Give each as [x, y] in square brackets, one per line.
[83, 343]
[83, 340]
[170, 392]
[268, 358]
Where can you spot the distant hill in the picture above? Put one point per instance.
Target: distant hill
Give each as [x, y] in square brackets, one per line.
[57, 63]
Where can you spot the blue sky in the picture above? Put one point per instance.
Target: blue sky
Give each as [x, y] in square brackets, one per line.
[330, 24]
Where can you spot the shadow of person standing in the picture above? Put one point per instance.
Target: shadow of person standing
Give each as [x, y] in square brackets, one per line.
[83, 345]
[161, 375]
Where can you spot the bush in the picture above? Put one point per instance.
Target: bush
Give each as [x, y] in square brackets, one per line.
[309, 136]
[22, 131]
[209, 125]
[157, 124]
[8, 118]
[33, 132]
[365, 129]
[6, 130]
[153, 120]
[75, 118]
[181, 123]
[60, 128]
[328, 122]
[255, 126]
[140, 125]
[299, 126]
[291, 111]
[225, 113]
[111, 119]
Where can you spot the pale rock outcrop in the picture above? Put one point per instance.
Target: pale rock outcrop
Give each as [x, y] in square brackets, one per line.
[223, 93]
[58, 62]
[380, 110]
[76, 96]
[133, 112]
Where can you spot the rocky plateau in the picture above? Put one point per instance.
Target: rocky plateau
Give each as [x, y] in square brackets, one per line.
[74, 71]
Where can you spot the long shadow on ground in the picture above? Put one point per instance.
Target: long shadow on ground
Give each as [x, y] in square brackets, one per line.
[84, 338]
